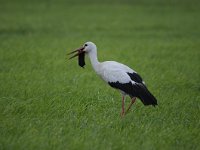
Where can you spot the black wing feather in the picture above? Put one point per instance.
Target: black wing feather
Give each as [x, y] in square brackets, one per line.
[136, 90]
[135, 77]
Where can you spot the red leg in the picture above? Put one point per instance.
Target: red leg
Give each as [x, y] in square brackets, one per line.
[122, 113]
[132, 102]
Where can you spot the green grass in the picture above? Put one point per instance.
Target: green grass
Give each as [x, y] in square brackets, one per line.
[48, 102]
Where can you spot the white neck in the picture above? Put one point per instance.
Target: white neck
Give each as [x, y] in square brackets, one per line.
[94, 60]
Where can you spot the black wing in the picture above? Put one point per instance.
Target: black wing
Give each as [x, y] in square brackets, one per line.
[136, 90]
[135, 77]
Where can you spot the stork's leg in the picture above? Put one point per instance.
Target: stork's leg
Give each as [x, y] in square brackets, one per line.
[123, 101]
[132, 102]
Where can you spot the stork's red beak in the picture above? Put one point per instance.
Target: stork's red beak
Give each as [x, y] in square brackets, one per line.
[81, 56]
[79, 51]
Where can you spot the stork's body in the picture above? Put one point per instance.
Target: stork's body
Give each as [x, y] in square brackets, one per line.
[121, 77]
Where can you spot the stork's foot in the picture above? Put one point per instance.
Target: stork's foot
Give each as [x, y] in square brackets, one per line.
[122, 114]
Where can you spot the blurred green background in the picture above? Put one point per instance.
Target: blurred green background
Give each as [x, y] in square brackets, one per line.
[48, 102]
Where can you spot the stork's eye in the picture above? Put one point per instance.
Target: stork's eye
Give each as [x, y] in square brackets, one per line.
[86, 45]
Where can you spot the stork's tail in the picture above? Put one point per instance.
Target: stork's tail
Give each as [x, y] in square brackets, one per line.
[145, 95]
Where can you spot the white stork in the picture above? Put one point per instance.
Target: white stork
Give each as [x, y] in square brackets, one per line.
[118, 76]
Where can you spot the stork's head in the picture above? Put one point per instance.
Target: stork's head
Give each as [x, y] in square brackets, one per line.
[88, 47]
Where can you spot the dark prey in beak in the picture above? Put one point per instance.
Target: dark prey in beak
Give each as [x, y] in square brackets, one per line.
[81, 59]
[81, 56]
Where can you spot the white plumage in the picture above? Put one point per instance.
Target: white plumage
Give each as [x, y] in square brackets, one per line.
[112, 71]
[118, 76]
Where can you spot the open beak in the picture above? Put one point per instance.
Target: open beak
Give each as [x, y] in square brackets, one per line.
[81, 56]
[79, 51]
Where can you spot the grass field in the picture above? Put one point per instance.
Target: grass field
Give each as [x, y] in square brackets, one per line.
[48, 102]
